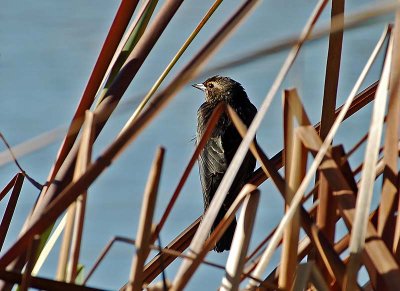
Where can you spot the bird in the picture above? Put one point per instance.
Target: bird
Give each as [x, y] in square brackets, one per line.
[221, 147]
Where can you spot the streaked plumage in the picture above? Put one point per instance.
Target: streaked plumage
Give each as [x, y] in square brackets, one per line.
[221, 147]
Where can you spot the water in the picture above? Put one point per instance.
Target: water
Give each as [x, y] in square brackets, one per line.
[47, 52]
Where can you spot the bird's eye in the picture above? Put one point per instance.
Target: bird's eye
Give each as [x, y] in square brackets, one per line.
[210, 85]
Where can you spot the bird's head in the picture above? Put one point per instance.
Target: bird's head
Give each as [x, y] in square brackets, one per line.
[220, 88]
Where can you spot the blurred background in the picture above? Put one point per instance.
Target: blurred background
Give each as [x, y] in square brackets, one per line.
[47, 52]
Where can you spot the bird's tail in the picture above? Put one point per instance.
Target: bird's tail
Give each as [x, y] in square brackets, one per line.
[224, 244]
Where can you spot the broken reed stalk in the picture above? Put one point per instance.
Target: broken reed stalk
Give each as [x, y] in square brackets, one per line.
[103, 254]
[143, 236]
[240, 243]
[365, 191]
[325, 218]
[295, 168]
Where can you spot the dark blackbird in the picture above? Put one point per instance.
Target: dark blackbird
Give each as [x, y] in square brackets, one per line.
[221, 147]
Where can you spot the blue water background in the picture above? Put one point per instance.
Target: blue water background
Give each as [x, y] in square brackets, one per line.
[47, 51]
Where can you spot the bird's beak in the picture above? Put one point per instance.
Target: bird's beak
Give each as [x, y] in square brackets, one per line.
[200, 86]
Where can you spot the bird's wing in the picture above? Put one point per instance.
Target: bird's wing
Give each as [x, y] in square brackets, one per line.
[212, 161]
[212, 167]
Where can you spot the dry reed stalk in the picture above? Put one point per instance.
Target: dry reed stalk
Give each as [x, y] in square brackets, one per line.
[31, 145]
[255, 255]
[318, 280]
[23, 172]
[365, 191]
[66, 244]
[241, 152]
[49, 245]
[304, 250]
[136, 58]
[103, 253]
[43, 283]
[143, 236]
[26, 276]
[132, 35]
[172, 63]
[240, 243]
[387, 220]
[15, 184]
[180, 243]
[291, 234]
[358, 169]
[295, 168]
[83, 161]
[8, 187]
[303, 276]
[162, 251]
[325, 218]
[177, 254]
